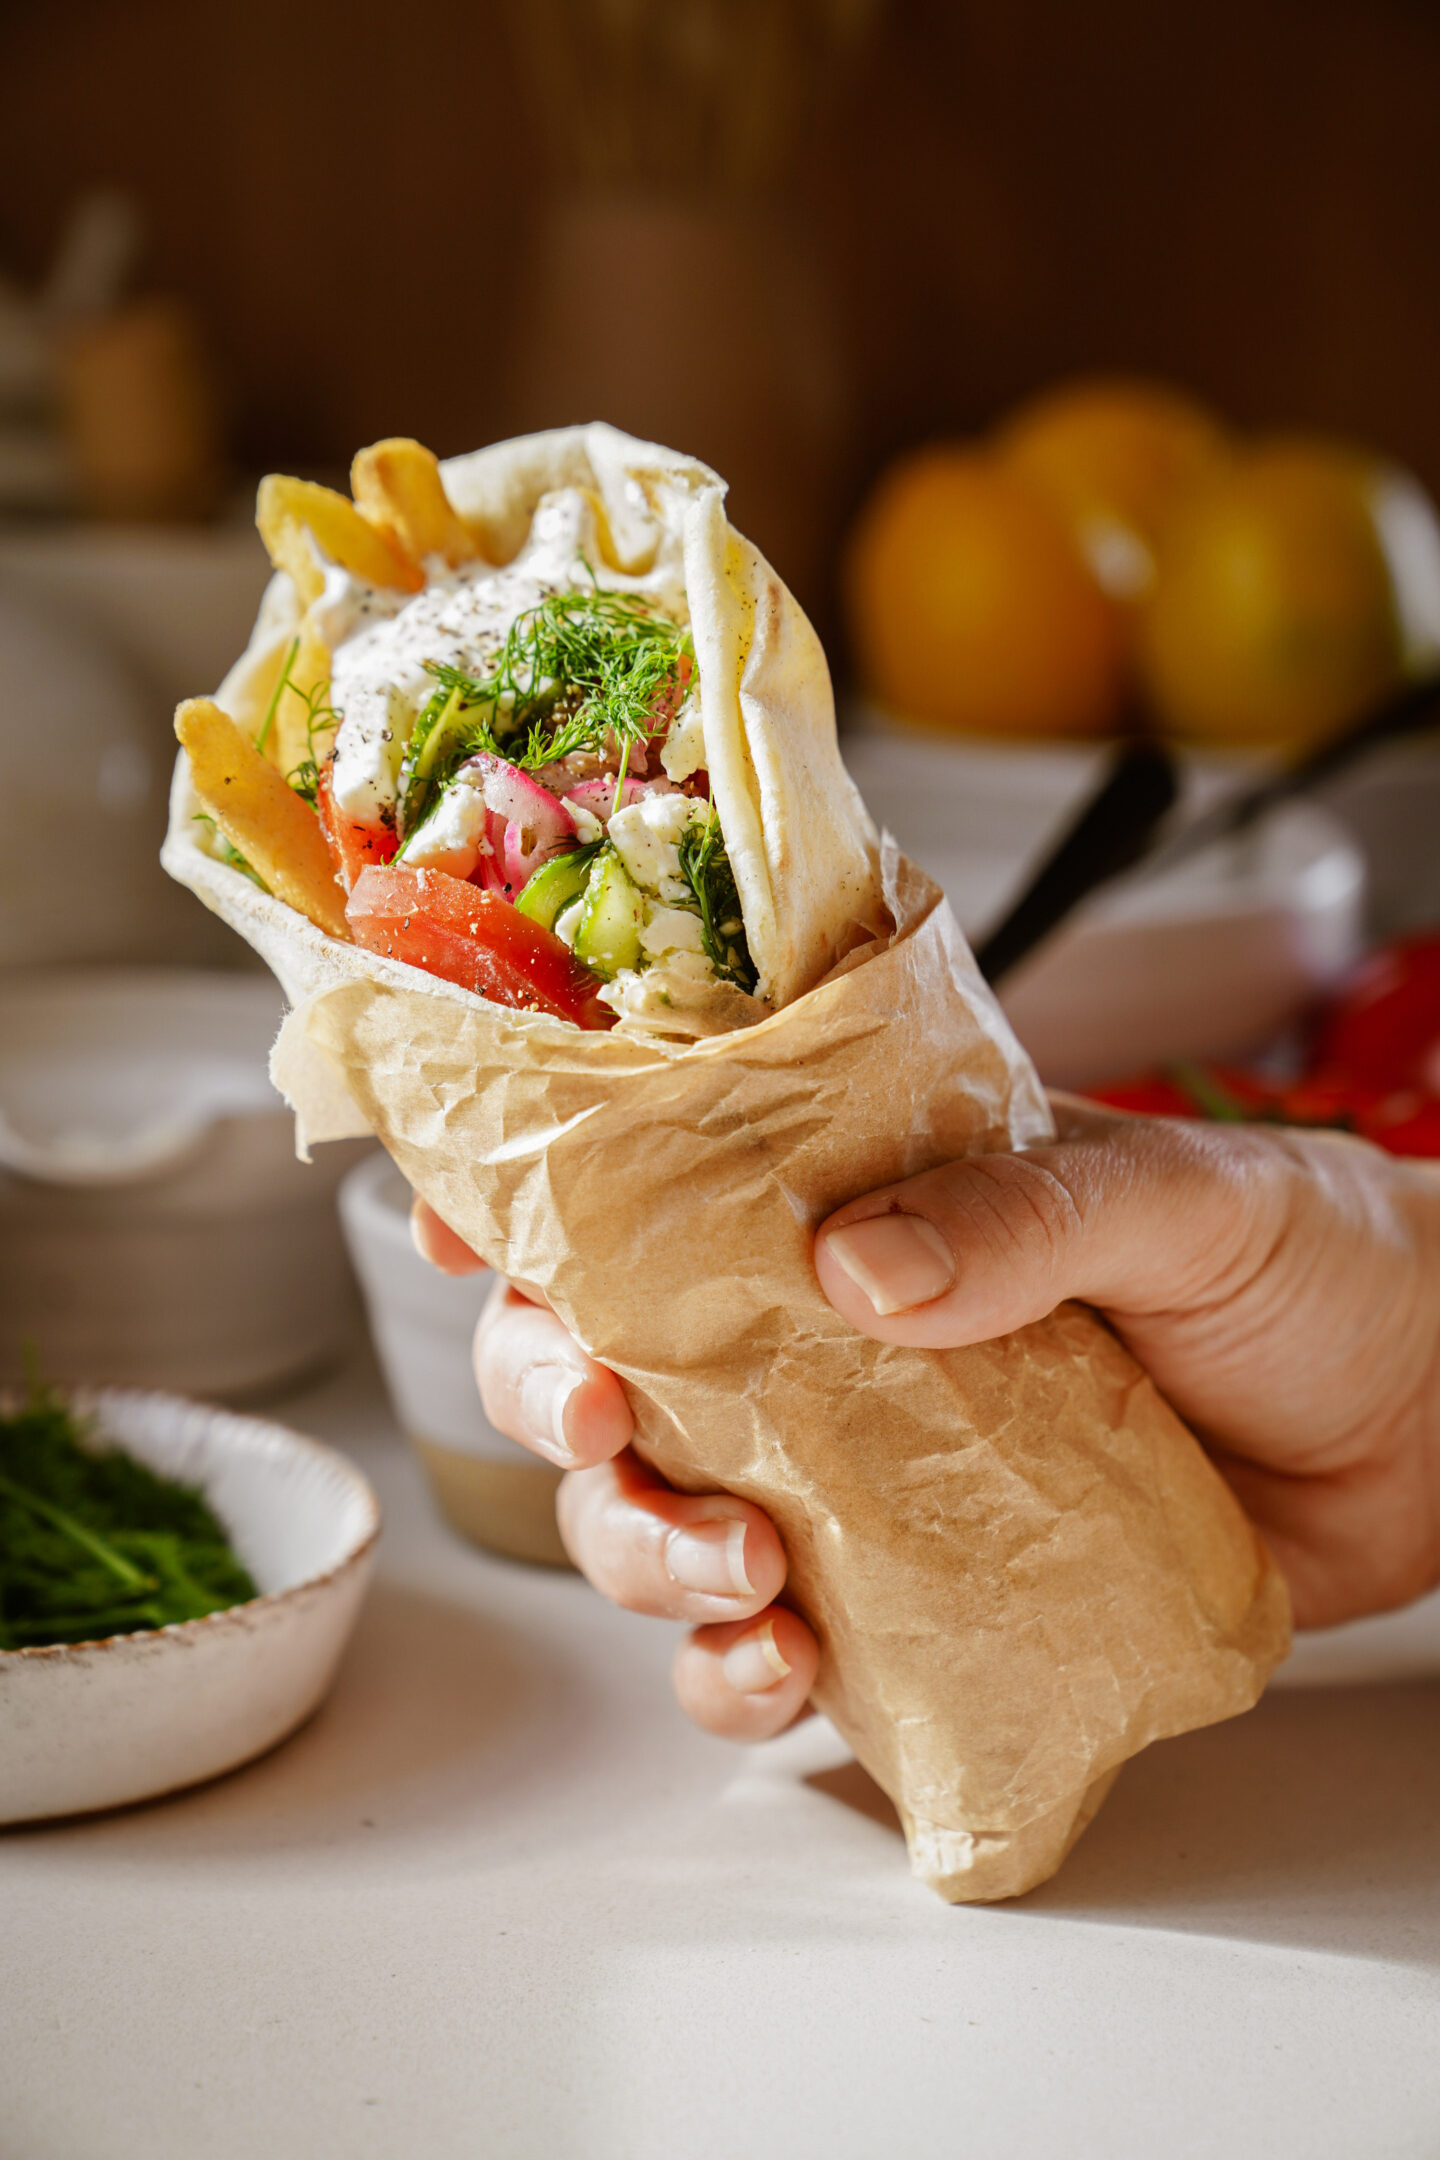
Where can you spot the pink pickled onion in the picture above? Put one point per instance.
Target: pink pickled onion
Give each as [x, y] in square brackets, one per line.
[524, 823]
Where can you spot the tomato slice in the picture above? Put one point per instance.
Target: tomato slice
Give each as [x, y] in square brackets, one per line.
[353, 847]
[452, 929]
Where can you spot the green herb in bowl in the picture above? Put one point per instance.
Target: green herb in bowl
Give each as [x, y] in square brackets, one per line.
[93, 1544]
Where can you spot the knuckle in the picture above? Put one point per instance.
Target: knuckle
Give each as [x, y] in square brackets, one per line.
[1017, 1210]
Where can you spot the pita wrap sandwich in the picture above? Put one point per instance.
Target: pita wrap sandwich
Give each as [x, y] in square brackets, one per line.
[527, 788]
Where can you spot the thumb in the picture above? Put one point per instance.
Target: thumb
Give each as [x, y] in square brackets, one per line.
[1134, 1215]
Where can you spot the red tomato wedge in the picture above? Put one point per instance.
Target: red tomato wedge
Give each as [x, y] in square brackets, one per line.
[353, 847]
[452, 929]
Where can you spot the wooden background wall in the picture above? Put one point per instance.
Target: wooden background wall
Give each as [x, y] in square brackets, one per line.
[1242, 194]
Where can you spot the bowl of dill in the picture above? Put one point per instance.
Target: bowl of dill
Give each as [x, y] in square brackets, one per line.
[177, 1584]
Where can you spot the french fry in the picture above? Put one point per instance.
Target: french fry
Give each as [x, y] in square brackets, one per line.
[290, 513]
[263, 819]
[397, 484]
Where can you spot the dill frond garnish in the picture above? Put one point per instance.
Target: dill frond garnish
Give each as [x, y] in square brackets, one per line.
[275, 696]
[580, 671]
[320, 718]
[705, 867]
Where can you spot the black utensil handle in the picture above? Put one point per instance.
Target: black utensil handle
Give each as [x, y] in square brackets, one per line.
[1112, 832]
[1407, 711]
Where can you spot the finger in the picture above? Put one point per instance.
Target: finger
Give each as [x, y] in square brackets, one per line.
[436, 1242]
[747, 1682]
[678, 1556]
[538, 1385]
[1138, 1215]
[1077, 1119]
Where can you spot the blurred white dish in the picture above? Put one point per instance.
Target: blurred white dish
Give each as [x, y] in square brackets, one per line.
[155, 1226]
[176, 602]
[422, 1323]
[97, 1725]
[1204, 962]
[84, 755]
[1390, 805]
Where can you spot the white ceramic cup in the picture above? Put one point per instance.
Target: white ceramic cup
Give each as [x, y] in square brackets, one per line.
[422, 1324]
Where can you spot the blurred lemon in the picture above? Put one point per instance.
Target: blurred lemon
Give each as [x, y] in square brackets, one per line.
[970, 606]
[1294, 588]
[1114, 457]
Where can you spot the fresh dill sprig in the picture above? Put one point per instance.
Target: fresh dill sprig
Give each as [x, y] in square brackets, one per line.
[275, 696]
[319, 714]
[577, 671]
[705, 867]
[320, 717]
[226, 851]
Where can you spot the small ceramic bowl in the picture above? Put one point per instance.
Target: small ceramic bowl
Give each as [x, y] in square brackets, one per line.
[98, 1725]
[155, 1226]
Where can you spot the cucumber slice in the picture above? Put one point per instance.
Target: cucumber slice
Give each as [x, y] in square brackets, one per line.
[554, 885]
[608, 938]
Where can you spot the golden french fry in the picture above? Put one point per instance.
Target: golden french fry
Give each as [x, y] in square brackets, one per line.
[290, 513]
[397, 484]
[263, 819]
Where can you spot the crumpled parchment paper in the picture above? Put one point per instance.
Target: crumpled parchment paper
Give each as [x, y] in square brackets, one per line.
[1020, 1565]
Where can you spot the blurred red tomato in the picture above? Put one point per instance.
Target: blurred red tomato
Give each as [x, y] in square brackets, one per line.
[1386, 1025]
[1402, 1120]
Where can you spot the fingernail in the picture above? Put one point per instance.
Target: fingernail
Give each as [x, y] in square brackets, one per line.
[899, 1261]
[754, 1663]
[545, 1391]
[709, 1557]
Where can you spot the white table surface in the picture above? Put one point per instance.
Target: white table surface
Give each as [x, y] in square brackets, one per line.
[498, 1899]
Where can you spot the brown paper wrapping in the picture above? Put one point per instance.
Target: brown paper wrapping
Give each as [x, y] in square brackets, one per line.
[1020, 1566]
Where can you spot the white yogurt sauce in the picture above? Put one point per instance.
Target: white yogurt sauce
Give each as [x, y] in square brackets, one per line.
[381, 641]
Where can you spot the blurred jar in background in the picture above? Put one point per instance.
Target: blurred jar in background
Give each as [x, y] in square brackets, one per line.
[670, 285]
[140, 411]
[703, 325]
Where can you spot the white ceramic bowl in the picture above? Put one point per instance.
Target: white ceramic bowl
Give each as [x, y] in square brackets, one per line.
[97, 1725]
[156, 1229]
[1207, 961]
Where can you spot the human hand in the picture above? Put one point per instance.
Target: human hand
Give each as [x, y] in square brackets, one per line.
[747, 1665]
[1282, 1288]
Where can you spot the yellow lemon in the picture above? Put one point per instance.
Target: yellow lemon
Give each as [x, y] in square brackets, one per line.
[1294, 588]
[970, 606]
[1114, 457]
